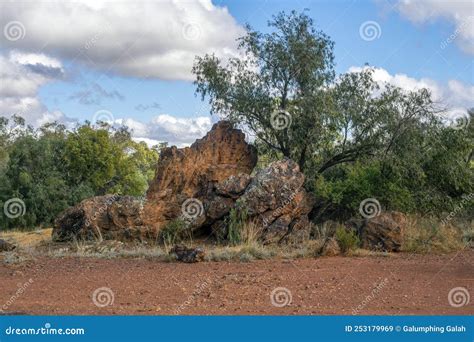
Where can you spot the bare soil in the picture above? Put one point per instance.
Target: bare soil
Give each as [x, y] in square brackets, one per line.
[403, 284]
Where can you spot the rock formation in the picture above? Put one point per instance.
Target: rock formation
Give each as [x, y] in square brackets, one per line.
[383, 232]
[200, 184]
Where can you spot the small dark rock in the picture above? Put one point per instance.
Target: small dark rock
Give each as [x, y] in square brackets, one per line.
[6, 246]
[188, 255]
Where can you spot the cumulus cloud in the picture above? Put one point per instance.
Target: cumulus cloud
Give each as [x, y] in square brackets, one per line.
[454, 94]
[157, 39]
[20, 78]
[167, 128]
[460, 13]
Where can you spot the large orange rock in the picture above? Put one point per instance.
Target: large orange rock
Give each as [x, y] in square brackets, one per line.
[185, 178]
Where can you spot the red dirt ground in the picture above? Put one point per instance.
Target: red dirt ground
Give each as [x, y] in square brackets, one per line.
[415, 284]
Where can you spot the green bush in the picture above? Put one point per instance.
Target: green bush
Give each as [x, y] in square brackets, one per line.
[175, 232]
[236, 221]
[347, 239]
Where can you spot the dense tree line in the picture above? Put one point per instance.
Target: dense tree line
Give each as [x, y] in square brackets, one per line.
[51, 168]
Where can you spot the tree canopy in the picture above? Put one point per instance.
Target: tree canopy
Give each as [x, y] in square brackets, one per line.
[388, 142]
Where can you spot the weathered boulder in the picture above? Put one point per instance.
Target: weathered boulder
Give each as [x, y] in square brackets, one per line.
[6, 246]
[108, 217]
[186, 179]
[277, 201]
[188, 255]
[383, 232]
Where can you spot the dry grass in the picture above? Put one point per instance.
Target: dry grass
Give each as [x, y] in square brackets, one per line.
[428, 235]
[30, 239]
[422, 235]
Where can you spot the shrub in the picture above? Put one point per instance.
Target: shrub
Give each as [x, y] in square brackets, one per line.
[347, 239]
[236, 222]
[175, 231]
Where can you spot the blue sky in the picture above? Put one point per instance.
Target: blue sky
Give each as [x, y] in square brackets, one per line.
[101, 69]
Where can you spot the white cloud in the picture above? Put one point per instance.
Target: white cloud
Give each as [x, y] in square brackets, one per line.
[460, 13]
[454, 95]
[166, 128]
[20, 78]
[157, 39]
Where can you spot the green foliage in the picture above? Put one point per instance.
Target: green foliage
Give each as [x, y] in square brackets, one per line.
[347, 239]
[236, 222]
[52, 168]
[352, 137]
[175, 231]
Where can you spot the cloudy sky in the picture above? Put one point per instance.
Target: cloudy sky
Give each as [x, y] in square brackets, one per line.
[130, 61]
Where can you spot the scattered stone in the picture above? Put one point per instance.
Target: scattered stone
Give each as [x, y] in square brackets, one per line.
[6, 246]
[188, 255]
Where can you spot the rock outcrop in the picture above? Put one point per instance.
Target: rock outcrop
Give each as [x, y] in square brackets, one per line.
[382, 233]
[200, 184]
[108, 217]
[276, 200]
[185, 178]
